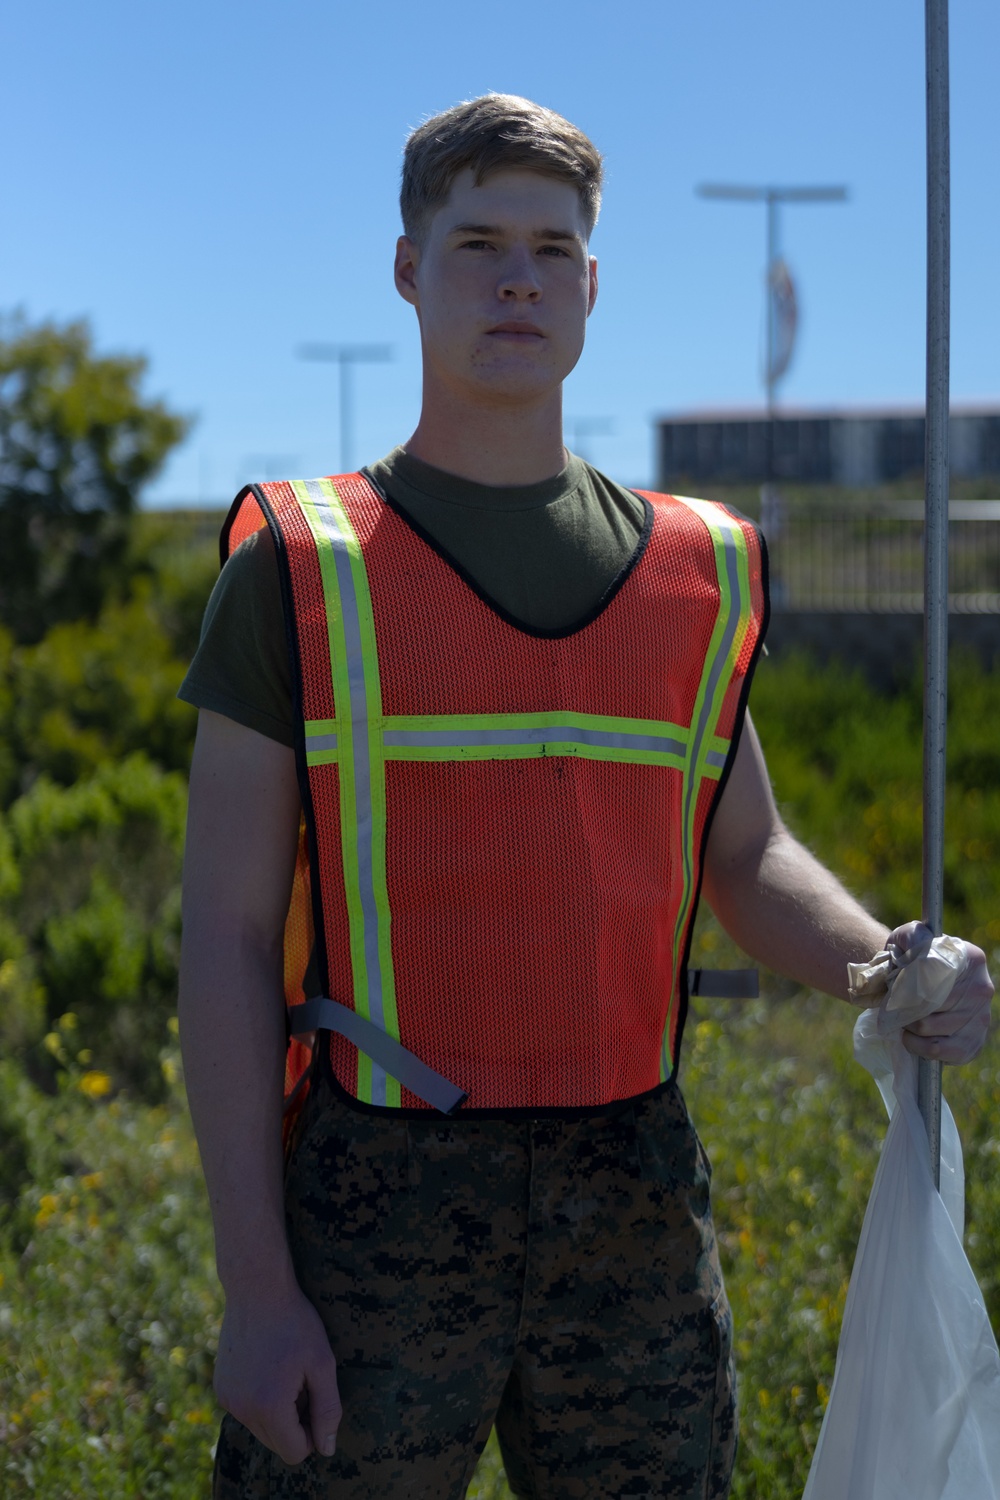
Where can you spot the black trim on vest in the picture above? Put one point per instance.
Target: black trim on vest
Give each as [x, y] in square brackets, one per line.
[299, 732]
[227, 524]
[620, 578]
[740, 719]
[526, 1112]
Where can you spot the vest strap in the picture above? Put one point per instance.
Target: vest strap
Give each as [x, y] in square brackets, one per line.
[724, 984]
[323, 1014]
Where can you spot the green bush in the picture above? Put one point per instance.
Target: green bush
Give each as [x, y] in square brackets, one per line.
[77, 442]
[90, 924]
[846, 763]
[173, 563]
[88, 694]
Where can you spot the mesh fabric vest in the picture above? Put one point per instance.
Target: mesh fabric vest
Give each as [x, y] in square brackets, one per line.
[503, 829]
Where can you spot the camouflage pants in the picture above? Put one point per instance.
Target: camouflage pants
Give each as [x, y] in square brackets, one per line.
[558, 1278]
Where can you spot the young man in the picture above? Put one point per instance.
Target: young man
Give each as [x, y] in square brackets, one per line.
[504, 697]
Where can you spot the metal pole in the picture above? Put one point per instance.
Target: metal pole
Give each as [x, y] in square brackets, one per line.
[346, 356]
[344, 365]
[936, 517]
[772, 237]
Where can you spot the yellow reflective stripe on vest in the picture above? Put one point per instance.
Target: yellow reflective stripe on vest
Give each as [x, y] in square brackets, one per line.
[456, 737]
[520, 736]
[355, 741]
[728, 634]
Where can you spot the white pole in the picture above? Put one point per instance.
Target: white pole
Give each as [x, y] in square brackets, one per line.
[936, 516]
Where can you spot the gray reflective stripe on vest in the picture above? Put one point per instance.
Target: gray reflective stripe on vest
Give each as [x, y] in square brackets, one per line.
[362, 775]
[552, 734]
[704, 727]
[323, 1014]
[321, 742]
[541, 734]
[724, 984]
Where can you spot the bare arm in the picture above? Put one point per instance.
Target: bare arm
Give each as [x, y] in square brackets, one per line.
[243, 825]
[786, 909]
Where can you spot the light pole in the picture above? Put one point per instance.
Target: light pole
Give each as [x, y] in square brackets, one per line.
[771, 197]
[346, 356]
[936, 483]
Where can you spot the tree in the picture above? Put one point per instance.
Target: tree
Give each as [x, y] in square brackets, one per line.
[77, 442]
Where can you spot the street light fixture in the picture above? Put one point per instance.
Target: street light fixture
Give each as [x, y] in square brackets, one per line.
[346, 356]
[772, 197]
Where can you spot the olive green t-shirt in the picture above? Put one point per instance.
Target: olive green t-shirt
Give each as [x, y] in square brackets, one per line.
[545, 554]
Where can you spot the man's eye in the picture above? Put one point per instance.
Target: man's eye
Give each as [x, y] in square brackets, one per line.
[554, 250]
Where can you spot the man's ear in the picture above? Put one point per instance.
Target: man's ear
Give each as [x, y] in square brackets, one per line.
[405, 269]
[593, 285]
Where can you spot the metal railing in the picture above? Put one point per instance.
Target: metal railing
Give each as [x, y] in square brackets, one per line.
[838, 559]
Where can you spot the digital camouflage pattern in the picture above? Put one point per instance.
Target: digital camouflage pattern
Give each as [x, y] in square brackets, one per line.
[557, 1277]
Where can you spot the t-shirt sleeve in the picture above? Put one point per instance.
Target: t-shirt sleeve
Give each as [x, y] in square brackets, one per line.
[241, 668]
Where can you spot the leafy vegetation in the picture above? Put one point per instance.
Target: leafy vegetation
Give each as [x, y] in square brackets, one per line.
[108, 1304]
[77, 441]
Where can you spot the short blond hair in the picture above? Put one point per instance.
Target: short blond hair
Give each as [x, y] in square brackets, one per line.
[489, 134]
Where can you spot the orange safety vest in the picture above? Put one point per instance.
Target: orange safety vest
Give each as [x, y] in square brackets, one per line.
[503, 828]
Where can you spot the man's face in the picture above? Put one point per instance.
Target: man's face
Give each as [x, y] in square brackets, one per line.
[503, 286]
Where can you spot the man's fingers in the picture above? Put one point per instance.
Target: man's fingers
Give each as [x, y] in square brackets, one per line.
[911, 935]
[289, 1439]
[278, 1426]
[972, 990]
[958, 1047]
[957, 1031]
[325, 1410]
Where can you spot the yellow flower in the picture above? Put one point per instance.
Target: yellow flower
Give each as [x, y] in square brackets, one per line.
[48, 1206]
[95, 1085]
[91, 1180]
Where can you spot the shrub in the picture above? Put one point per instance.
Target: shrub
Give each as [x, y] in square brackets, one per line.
[97, 905]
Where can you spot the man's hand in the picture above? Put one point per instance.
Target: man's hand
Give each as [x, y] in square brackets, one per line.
[276, 1373]
[956, 1032]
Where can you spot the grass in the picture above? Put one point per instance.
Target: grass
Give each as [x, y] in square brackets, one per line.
[109, 1307]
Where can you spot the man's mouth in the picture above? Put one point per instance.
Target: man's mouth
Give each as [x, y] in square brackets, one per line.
[516, 329]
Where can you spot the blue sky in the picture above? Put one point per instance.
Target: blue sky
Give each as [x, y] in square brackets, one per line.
[213, 183]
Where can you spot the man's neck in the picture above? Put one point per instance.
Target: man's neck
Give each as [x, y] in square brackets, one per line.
[500, 447]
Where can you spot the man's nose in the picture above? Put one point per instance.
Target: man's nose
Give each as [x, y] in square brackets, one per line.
[519, 281]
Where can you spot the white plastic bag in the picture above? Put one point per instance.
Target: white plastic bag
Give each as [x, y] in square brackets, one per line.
[914, 1410]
